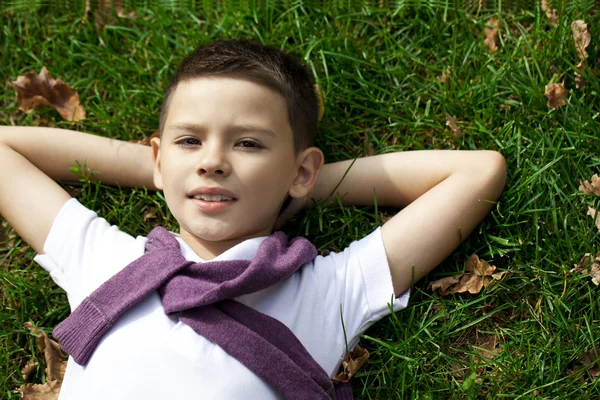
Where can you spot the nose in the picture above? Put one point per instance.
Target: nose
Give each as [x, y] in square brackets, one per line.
[213, 161]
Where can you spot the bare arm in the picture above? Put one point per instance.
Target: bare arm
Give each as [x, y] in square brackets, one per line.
[444, 194]
[53, 151]
[31, 158]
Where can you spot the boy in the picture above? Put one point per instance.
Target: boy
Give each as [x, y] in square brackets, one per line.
[237, 127]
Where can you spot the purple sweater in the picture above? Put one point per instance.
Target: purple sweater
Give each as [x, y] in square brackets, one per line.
[201, 293]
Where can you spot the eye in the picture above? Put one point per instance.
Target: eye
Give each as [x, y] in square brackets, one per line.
[249, 144]
[188, 142]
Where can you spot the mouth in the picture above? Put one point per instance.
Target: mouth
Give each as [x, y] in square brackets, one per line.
[213, 198]
[212, 203]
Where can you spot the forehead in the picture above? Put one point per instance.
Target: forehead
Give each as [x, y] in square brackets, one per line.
[214, 102]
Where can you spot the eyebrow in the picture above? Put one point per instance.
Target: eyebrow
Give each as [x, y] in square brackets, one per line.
[195, 128]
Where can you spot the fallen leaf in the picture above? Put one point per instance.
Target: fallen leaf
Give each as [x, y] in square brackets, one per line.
[453, 124]
[491, 34]
[594, 214]
[479, 267]
[146, 140]
[556, 94]
[591, 188]
[594, 270]
[589, 358]
[321, 99]
[581, 266]
[471, 281]
[35, 90]
[35, 391]
[29, 369]
[486, 346]
[582, 39]
[351, 364]
[56, 362]
[551, 13]
[443, 284]
[56, 359]
[150, 214]
[579, 81]
[445, 76]
[498, 275]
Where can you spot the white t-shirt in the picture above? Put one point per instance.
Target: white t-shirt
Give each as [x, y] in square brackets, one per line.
[150, 355]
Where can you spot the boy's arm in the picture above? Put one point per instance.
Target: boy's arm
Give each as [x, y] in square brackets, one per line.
[445, 194]
[31, 158]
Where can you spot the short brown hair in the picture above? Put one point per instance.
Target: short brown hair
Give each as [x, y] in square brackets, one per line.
[265, 65]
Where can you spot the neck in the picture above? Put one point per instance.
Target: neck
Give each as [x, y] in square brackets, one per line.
[207, 250]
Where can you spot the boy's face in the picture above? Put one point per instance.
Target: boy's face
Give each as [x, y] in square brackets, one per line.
[230, 137]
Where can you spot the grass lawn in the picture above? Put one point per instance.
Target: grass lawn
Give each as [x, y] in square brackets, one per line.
[379, 70]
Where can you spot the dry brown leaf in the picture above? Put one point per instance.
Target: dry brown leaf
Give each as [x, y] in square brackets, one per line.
[591, 188]
[498, 275]
[56, 363]
[471, 281]
[443, 284]
[590, 358]
[445, 76]
[35, 90]
[579, 81]
[594, 270]
[150, 215]
[474, 264]
[321, 99]
[582, 39]
[491, 34]
[551, 13]
[56, 359]
[487, 346]
[351, 364]
[556, 94]
[594, 214]
[29, 369]
[453, 124]
[146, 140]
[34, 391]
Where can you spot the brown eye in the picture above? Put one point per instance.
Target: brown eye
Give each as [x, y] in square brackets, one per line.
[186, 142]
[249, 144]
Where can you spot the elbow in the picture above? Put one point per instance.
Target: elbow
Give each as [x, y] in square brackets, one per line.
[493, 168]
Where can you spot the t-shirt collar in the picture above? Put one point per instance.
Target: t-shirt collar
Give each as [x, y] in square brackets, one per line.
[245, 250]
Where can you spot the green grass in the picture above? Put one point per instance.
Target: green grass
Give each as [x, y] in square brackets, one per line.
[378, 69]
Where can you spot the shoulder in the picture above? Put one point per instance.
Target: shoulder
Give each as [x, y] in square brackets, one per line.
[83, 250]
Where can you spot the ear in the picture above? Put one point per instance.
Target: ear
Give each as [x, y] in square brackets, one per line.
[309, 163]
[155, 143]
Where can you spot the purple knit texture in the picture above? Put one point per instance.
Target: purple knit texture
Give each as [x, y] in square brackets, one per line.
[201, 292]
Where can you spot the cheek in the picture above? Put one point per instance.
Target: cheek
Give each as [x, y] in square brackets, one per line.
[274, 177]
